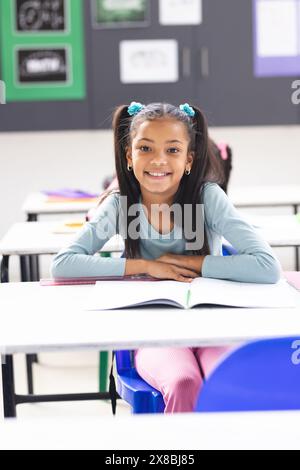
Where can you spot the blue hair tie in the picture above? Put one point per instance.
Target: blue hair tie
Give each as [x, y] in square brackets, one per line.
[187, 109]
[135, 108]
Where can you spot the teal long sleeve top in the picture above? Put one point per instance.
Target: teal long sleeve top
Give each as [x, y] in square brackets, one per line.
[254, 262]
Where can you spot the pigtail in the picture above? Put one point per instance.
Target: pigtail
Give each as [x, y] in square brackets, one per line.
[128, 184]
[206, 168]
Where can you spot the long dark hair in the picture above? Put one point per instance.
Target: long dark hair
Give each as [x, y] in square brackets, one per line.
[206, 166]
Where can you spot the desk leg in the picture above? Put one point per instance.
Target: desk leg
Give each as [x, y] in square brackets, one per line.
[25, 269]
[4, 269]
[8, 386]
[28, 275]
[34, 268]
[30, 360]
[34, 259]
[297, 258]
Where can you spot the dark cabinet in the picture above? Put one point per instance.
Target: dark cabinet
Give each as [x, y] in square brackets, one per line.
[215, 72]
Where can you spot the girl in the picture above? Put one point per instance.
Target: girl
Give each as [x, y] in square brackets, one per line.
[163, 157]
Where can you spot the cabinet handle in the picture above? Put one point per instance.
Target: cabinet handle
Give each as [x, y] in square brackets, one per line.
[204, 62]
[186, 62]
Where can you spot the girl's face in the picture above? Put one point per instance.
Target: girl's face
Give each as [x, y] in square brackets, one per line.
[159, 156]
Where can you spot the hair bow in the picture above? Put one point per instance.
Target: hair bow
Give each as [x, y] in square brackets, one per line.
[134, 108]
[187, 109]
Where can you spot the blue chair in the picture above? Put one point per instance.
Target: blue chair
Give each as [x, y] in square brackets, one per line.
[133, 389]
[259, 376]
[228, 250]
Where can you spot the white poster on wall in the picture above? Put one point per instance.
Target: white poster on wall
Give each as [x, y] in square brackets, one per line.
[277, 28]
[149, 61]
[180, 12]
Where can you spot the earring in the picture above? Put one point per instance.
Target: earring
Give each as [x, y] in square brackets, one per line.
[129, 167]
[187, 172]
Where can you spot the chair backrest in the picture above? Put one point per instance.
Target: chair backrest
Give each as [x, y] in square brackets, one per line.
[261, 375]
[124, 361]
[228, 250]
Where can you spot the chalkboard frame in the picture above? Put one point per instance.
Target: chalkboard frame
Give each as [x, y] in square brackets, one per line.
[121, 24]
[74, 88]
[65, 31]
[68, 82]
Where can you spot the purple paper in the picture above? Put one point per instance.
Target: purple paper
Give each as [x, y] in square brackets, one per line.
[70, 193]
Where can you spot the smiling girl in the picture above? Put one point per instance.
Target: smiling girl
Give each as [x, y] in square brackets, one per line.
[164, 161]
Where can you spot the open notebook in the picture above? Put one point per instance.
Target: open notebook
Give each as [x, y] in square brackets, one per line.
[117, 294]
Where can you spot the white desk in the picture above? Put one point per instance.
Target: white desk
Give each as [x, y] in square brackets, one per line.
[25, 304]
[38, 319]
[49, 237]
[266, 196]
[40, 238]
[37, 204]
[37, 238]
[279, 231]
[197, 431]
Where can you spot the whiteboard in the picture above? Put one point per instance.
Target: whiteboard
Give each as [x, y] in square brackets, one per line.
[149, 61]
[278, 28]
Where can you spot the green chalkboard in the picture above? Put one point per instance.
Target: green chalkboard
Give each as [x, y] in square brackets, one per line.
[42, 50]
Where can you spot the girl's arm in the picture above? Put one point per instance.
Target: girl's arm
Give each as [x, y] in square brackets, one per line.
[160, 270]
[255, 261]
[78, 259]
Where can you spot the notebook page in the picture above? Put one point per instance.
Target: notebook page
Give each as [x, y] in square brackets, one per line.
[240, 294]
[117, 294]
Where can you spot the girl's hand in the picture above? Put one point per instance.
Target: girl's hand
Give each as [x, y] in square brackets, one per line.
[193, 263]
[162, 270]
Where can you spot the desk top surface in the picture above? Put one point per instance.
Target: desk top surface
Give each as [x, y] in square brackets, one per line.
[38, 319]
[29, 238]
[265, 195]
[271, 430]
[49, 237]
[37, 203]
[277, 230]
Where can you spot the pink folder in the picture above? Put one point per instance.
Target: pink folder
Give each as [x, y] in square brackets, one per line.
[92, 280]
[293, 278]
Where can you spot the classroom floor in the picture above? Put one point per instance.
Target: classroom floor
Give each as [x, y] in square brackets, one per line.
[63, 373]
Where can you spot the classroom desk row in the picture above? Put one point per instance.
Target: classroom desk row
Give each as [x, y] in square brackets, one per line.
[37, 319]
[224, 431]
[25, 239]
[257, 196]
[37, 204]
[266, 196]
[40, 238]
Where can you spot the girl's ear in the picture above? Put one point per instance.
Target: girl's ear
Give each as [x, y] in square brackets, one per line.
[190, 158]
[129, 156]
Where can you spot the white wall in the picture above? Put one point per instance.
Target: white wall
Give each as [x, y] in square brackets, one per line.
[34, 161]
